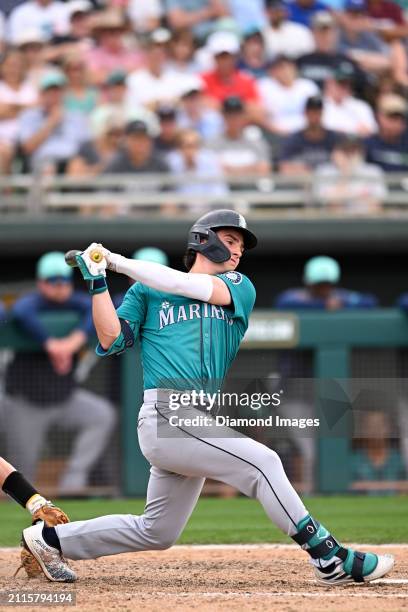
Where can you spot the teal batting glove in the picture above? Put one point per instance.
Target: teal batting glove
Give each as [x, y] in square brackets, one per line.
[92, 265]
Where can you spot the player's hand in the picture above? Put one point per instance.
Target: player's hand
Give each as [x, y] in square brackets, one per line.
[92, 269]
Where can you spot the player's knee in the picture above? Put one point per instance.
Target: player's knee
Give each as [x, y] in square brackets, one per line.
[160, 537]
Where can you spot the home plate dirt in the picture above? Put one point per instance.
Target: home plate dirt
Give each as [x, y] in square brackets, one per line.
[213, 578]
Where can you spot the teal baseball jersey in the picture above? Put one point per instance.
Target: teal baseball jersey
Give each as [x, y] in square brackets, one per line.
[184, 340]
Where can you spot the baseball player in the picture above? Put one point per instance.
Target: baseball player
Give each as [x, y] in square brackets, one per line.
[190, 326]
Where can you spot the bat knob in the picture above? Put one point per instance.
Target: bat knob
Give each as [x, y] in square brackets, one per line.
[96, 255]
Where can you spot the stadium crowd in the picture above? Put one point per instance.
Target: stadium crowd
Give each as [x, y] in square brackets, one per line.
[221, 88]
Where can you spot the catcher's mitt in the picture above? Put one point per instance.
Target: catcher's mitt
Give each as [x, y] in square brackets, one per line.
[52, 516]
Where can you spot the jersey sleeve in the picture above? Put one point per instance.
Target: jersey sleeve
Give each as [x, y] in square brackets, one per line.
[133, 310]
[243, 295]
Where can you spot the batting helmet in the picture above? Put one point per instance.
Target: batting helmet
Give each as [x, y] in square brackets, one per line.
[204, 229]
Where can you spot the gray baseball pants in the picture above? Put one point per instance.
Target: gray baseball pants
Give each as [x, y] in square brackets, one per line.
[181, 459]
[90, 415]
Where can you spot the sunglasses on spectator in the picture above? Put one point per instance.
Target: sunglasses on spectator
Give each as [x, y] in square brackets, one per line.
[58, 280]
[399, 116]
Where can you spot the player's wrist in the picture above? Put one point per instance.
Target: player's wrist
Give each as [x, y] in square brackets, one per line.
[36, 502]
[97, 285]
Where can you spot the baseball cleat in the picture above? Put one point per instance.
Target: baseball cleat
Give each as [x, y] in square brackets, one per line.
[50, 559]
[352, 569]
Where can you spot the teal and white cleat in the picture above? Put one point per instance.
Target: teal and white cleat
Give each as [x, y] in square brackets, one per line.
[50, 559]
[353, 567]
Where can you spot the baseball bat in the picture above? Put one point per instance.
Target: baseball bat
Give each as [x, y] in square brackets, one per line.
[96, 255]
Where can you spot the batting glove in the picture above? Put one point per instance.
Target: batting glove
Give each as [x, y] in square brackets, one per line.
[93, 263]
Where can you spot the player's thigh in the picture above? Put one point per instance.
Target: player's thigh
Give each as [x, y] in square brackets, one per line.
[87, 409]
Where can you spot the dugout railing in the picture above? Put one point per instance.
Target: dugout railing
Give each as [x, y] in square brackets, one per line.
[330, 339]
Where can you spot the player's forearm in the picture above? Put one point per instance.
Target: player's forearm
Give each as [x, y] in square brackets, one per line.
[162, 278]
[5, 470]
[105, 319]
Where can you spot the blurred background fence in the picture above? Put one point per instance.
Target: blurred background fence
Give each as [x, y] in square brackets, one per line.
[279, 347]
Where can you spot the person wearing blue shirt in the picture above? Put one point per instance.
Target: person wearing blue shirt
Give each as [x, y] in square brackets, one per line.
[302, 11]
[320, 291]
[2, 313]
[41, 390]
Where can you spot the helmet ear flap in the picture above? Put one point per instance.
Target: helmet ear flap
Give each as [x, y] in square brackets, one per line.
[213, 248]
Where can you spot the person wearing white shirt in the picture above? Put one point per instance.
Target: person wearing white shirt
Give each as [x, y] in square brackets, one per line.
[50, 17]
[283, 36]
[284, 96]
[145, 15]
[156, 83]
[343, 112]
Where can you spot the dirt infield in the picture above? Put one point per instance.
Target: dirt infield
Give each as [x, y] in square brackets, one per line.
[213, 578]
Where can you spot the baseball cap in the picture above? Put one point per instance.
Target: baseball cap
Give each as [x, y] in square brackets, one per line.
[116, 77]
[251, 30]
[165, 111]
[160, 36]
[232, 104]
[52, 79]
[79, 6]
[279, 59]
[392, 104]
[151, 254]
[355, 5]
[137, 126]
[29, 36]
[345, 72]
[349, 142]
[223, 42]
[322, 20]
[321, 269]
[189, 85]
[53, 264]
[314, 102]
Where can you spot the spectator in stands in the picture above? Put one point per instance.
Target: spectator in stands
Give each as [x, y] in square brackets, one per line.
[137, 155]
[110, 52]
[226, 79]
[365, 47]
[194, 114]
[302, 11]
[145, 15]
[348, 184]
[199, 15]
[40, 385]
[342, 111]
[253, 54]
[80, 96]
[167, 139]
[155, 83]
[31, 44]
[193, 163]
[240, 154]
[284, 95]
[107, 127]
[320, 289]
[16, 95]
[181, 52]
[375, 460]
[283, 36]
[389, 147]
[78, 38]
[322, 62]
[49, 133]
[303, 151]
[50, 17]
[320, 292]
